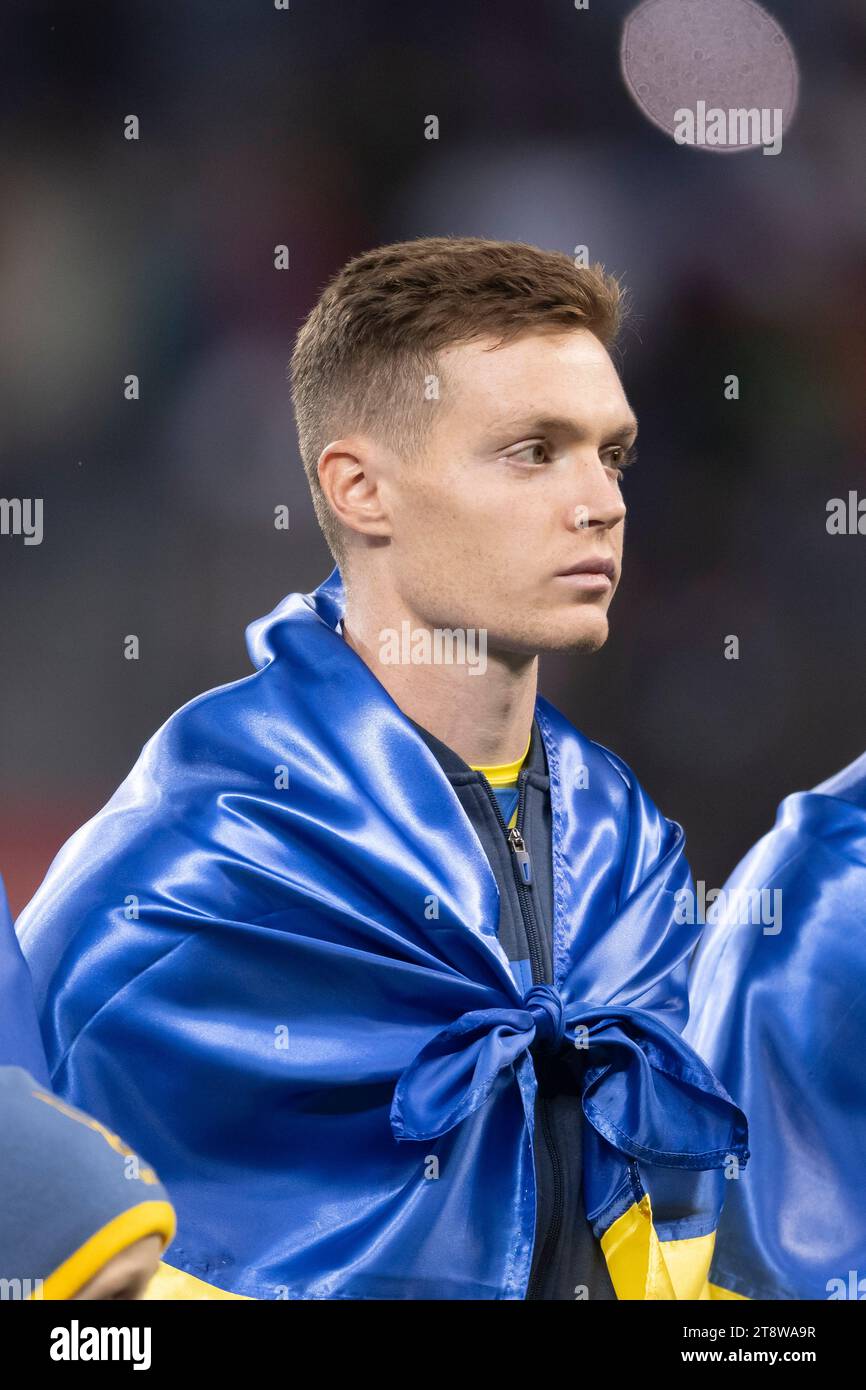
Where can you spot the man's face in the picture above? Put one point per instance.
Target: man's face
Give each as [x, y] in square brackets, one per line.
[519, 484]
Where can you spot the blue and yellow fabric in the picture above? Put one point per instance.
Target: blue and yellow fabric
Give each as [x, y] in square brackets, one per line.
[74, 1195]
[272, 961]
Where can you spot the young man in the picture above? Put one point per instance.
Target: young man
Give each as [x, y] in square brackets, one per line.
[384, 1032]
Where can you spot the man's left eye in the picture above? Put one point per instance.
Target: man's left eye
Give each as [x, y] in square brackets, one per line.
[619, 458]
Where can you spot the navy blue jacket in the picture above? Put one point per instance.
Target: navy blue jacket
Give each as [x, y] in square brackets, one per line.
[567, 1261]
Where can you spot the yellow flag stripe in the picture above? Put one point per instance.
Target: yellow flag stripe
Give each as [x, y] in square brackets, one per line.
[642, 1267]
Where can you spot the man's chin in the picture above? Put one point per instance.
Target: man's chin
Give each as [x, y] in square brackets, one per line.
[588, 638]
[587, 632]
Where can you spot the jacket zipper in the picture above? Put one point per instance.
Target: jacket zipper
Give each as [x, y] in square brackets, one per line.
[522, 865]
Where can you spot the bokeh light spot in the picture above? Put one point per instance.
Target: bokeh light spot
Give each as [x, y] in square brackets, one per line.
[747, 62]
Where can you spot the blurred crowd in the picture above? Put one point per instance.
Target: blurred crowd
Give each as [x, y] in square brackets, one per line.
[155, 257]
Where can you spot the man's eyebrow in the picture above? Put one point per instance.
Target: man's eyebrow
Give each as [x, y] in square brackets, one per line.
[559, 424]
[625, 431]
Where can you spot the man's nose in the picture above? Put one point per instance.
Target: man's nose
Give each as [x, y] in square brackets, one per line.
[598, 501]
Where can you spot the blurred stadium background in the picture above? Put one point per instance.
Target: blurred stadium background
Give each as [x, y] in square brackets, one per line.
[261, 127]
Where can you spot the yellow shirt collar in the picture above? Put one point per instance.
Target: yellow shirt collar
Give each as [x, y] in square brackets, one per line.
[503, 774]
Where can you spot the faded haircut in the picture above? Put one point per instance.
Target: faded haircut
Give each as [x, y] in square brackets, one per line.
[366, 350]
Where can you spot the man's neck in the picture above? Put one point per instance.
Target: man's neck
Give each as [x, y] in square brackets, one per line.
[482, 710]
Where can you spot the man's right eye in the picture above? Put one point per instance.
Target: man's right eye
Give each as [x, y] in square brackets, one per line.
[535, 453]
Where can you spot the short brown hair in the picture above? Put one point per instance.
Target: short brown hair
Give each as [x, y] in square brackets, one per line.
[374, 334]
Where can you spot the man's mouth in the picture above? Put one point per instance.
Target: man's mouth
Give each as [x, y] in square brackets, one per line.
[596, 574]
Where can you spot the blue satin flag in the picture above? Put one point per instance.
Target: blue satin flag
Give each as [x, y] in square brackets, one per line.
[271, 963]
[20, 1041]
[778, 1001]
